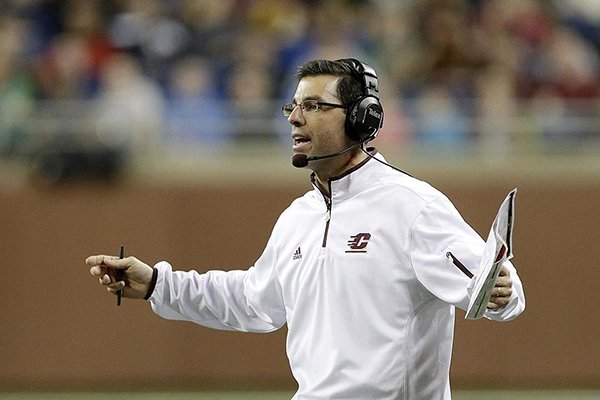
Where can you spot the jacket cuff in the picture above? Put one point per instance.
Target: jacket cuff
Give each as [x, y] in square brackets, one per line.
[152, 283]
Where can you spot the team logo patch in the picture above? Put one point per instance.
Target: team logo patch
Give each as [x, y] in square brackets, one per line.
[358, 243]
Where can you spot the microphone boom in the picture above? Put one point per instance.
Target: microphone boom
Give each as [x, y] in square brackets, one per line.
[301, 160]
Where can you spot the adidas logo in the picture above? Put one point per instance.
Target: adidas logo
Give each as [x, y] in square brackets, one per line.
[297, 254]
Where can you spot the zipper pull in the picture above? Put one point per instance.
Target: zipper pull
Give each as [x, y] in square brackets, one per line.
[459, 264]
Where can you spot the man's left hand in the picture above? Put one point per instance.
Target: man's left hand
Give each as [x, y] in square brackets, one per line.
[502, 290]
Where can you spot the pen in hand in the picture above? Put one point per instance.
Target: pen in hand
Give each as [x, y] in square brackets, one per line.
[119, 275]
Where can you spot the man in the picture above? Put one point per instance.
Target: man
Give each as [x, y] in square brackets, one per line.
[366, 269]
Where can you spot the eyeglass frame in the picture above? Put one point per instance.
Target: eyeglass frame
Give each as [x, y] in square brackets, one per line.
[289, 108]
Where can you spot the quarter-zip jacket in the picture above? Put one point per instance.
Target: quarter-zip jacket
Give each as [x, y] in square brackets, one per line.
[366, 280]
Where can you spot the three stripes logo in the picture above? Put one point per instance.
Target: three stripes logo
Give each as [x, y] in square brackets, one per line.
[297, 254]
[358, 243]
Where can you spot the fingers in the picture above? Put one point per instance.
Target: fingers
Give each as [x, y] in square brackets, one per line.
[502, 283]
[500, 297]
[497, 302]
[97, 260]
[97, 271]
[110, 261]
[110, 281]
[493, 306]
[111, 285]
[103, 267]
[502, 291]
[115, 287]
[105, 280]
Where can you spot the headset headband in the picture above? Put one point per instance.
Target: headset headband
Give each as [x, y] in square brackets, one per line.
[368, 75]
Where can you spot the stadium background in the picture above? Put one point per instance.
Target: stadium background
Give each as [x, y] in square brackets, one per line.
[156, 125]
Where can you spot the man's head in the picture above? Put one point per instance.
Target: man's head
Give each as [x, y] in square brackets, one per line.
[357, 89]
[330, 109]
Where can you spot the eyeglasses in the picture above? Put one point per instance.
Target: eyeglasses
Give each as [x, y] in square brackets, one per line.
[308, 106]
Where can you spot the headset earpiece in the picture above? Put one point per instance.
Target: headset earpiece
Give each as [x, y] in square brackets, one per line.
[364, 119]
[365, 115]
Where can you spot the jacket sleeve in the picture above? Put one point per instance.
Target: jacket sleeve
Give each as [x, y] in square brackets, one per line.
[446, 254]
[249, 301]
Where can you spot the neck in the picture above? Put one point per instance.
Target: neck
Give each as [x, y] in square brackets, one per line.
[323, 175]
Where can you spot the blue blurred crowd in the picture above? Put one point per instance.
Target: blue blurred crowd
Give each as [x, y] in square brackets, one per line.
[148, 74]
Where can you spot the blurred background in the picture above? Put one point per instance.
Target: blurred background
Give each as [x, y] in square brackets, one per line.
[157, 125]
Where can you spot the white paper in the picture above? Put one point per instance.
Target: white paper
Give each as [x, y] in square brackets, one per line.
[498, 249]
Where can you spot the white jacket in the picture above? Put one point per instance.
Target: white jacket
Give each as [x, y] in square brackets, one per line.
[367, 284]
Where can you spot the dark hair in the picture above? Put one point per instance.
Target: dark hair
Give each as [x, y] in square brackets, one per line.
[350, 86]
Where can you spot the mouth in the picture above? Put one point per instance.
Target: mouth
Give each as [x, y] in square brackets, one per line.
[300, 143]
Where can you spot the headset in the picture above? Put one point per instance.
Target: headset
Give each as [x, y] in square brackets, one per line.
[364, 118]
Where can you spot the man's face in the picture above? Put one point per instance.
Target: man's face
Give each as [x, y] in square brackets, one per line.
[320, 132]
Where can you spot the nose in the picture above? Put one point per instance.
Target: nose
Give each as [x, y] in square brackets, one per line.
[296, 118]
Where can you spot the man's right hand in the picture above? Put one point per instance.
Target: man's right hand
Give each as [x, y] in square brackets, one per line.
[137, 275]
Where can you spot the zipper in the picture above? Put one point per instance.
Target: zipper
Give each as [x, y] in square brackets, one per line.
[459, 265]
[328, 205]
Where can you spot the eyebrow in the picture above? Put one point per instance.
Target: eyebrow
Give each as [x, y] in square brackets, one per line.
[318, 98]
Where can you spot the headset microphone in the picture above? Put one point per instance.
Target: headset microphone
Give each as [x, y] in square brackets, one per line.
[301, 160]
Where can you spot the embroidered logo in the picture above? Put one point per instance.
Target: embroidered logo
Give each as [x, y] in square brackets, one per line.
[358, 243]
[297, 254]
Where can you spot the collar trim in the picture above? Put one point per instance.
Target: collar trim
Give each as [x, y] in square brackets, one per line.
[371, 150]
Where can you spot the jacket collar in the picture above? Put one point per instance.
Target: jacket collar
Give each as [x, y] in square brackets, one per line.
[352, 181]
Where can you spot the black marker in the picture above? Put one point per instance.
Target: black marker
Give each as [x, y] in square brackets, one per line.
[120, 274]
